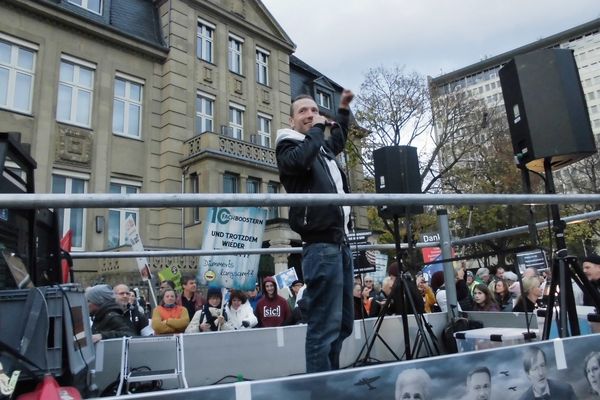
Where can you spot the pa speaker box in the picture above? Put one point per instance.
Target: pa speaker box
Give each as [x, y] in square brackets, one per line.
[397, 171]
[546, 109]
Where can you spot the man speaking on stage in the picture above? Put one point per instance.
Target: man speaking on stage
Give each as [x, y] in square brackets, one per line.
[307, 164]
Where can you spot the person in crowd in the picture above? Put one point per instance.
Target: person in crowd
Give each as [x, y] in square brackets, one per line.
[210, 317]
[429, 301]
[510, 277]
[107, 316]
[131, 312]
[370, 284]
[591, 369]
[479, 384]
[164, 285]
[483, 299]
[396, 301]
[239, 312]
[413, 383]
[357, 280]
[502, 295]
[531, 294]
[190, 298]
[463, 293]
[534, 363]
[591, 269]
[470, 281]
[272, 310]
[307, 164]
[483, 276]
[169, 317]
[370, 303]
[499, 273]
[253, 296]
[359, 308]
[294, 289]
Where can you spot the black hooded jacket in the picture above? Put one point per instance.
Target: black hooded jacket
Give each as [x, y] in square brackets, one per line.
[302, 163]
[110, 322]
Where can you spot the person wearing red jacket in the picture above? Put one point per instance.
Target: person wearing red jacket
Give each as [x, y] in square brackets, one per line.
[272, 310]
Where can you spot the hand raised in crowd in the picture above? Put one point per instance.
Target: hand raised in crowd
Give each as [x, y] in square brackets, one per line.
[220, 320]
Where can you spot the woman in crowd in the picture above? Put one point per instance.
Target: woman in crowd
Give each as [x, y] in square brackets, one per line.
[427, 294]
[503, 296]
[529, 295]
[169, 317]
[239, 312]
[209, 317]
[591, 369]
[359, 308]
[483, 299]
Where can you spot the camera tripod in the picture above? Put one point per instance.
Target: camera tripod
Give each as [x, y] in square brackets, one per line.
[402, 299]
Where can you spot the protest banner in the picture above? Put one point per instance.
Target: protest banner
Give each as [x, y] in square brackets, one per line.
[135, 241]
[232, 228]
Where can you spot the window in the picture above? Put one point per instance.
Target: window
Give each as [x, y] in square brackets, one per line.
[262, 66]
[94, 6]
[205, 105]
[323, 99]
[230, 183]
[195, 188]
[235, 54]
[75, 92]
[204, 44]
[127, 106]
[252, 185]
[273, 188]
[71, 218]
[117, 216]
[17, 65]
[264, 130]
[236, 120]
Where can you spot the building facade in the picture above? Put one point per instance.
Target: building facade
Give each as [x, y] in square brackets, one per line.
[137, 96]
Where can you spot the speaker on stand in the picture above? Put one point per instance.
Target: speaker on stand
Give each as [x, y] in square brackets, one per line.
[550, 129]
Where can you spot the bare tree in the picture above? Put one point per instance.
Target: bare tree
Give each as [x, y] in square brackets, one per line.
[394, 107]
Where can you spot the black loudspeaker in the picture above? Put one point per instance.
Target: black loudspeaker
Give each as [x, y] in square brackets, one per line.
[546, 109]
[397, 171]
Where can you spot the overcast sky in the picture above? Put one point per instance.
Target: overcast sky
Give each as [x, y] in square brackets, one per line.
[344, 38]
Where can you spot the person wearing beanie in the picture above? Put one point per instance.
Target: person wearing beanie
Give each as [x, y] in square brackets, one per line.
[483, 276]
[272, 310]
[211, 316]
[107, 317]
[169, 317]
[591, 269]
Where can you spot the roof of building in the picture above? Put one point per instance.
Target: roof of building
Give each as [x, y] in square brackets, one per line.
[137, 19]
[295, 61]
[550, 41]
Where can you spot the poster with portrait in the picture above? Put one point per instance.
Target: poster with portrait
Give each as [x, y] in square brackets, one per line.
[232, 228]
[285, 278]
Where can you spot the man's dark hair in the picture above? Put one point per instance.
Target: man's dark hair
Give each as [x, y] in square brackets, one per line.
[237, 294]
[186, 278]
[480, 370]
[170, 283]
[299, 97]
[529, 357]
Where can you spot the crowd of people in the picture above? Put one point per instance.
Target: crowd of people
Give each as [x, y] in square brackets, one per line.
[119, 311]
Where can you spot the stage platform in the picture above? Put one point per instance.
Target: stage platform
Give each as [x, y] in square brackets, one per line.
[447, 377]
[259, 354]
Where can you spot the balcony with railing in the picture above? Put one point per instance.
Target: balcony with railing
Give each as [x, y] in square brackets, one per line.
[225, 144]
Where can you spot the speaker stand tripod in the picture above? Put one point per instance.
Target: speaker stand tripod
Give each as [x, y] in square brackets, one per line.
[564, 268]
[401, 291]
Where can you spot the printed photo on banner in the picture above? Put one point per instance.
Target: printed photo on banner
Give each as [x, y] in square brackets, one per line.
[132, 234]
[286, 278]
[232, 228]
